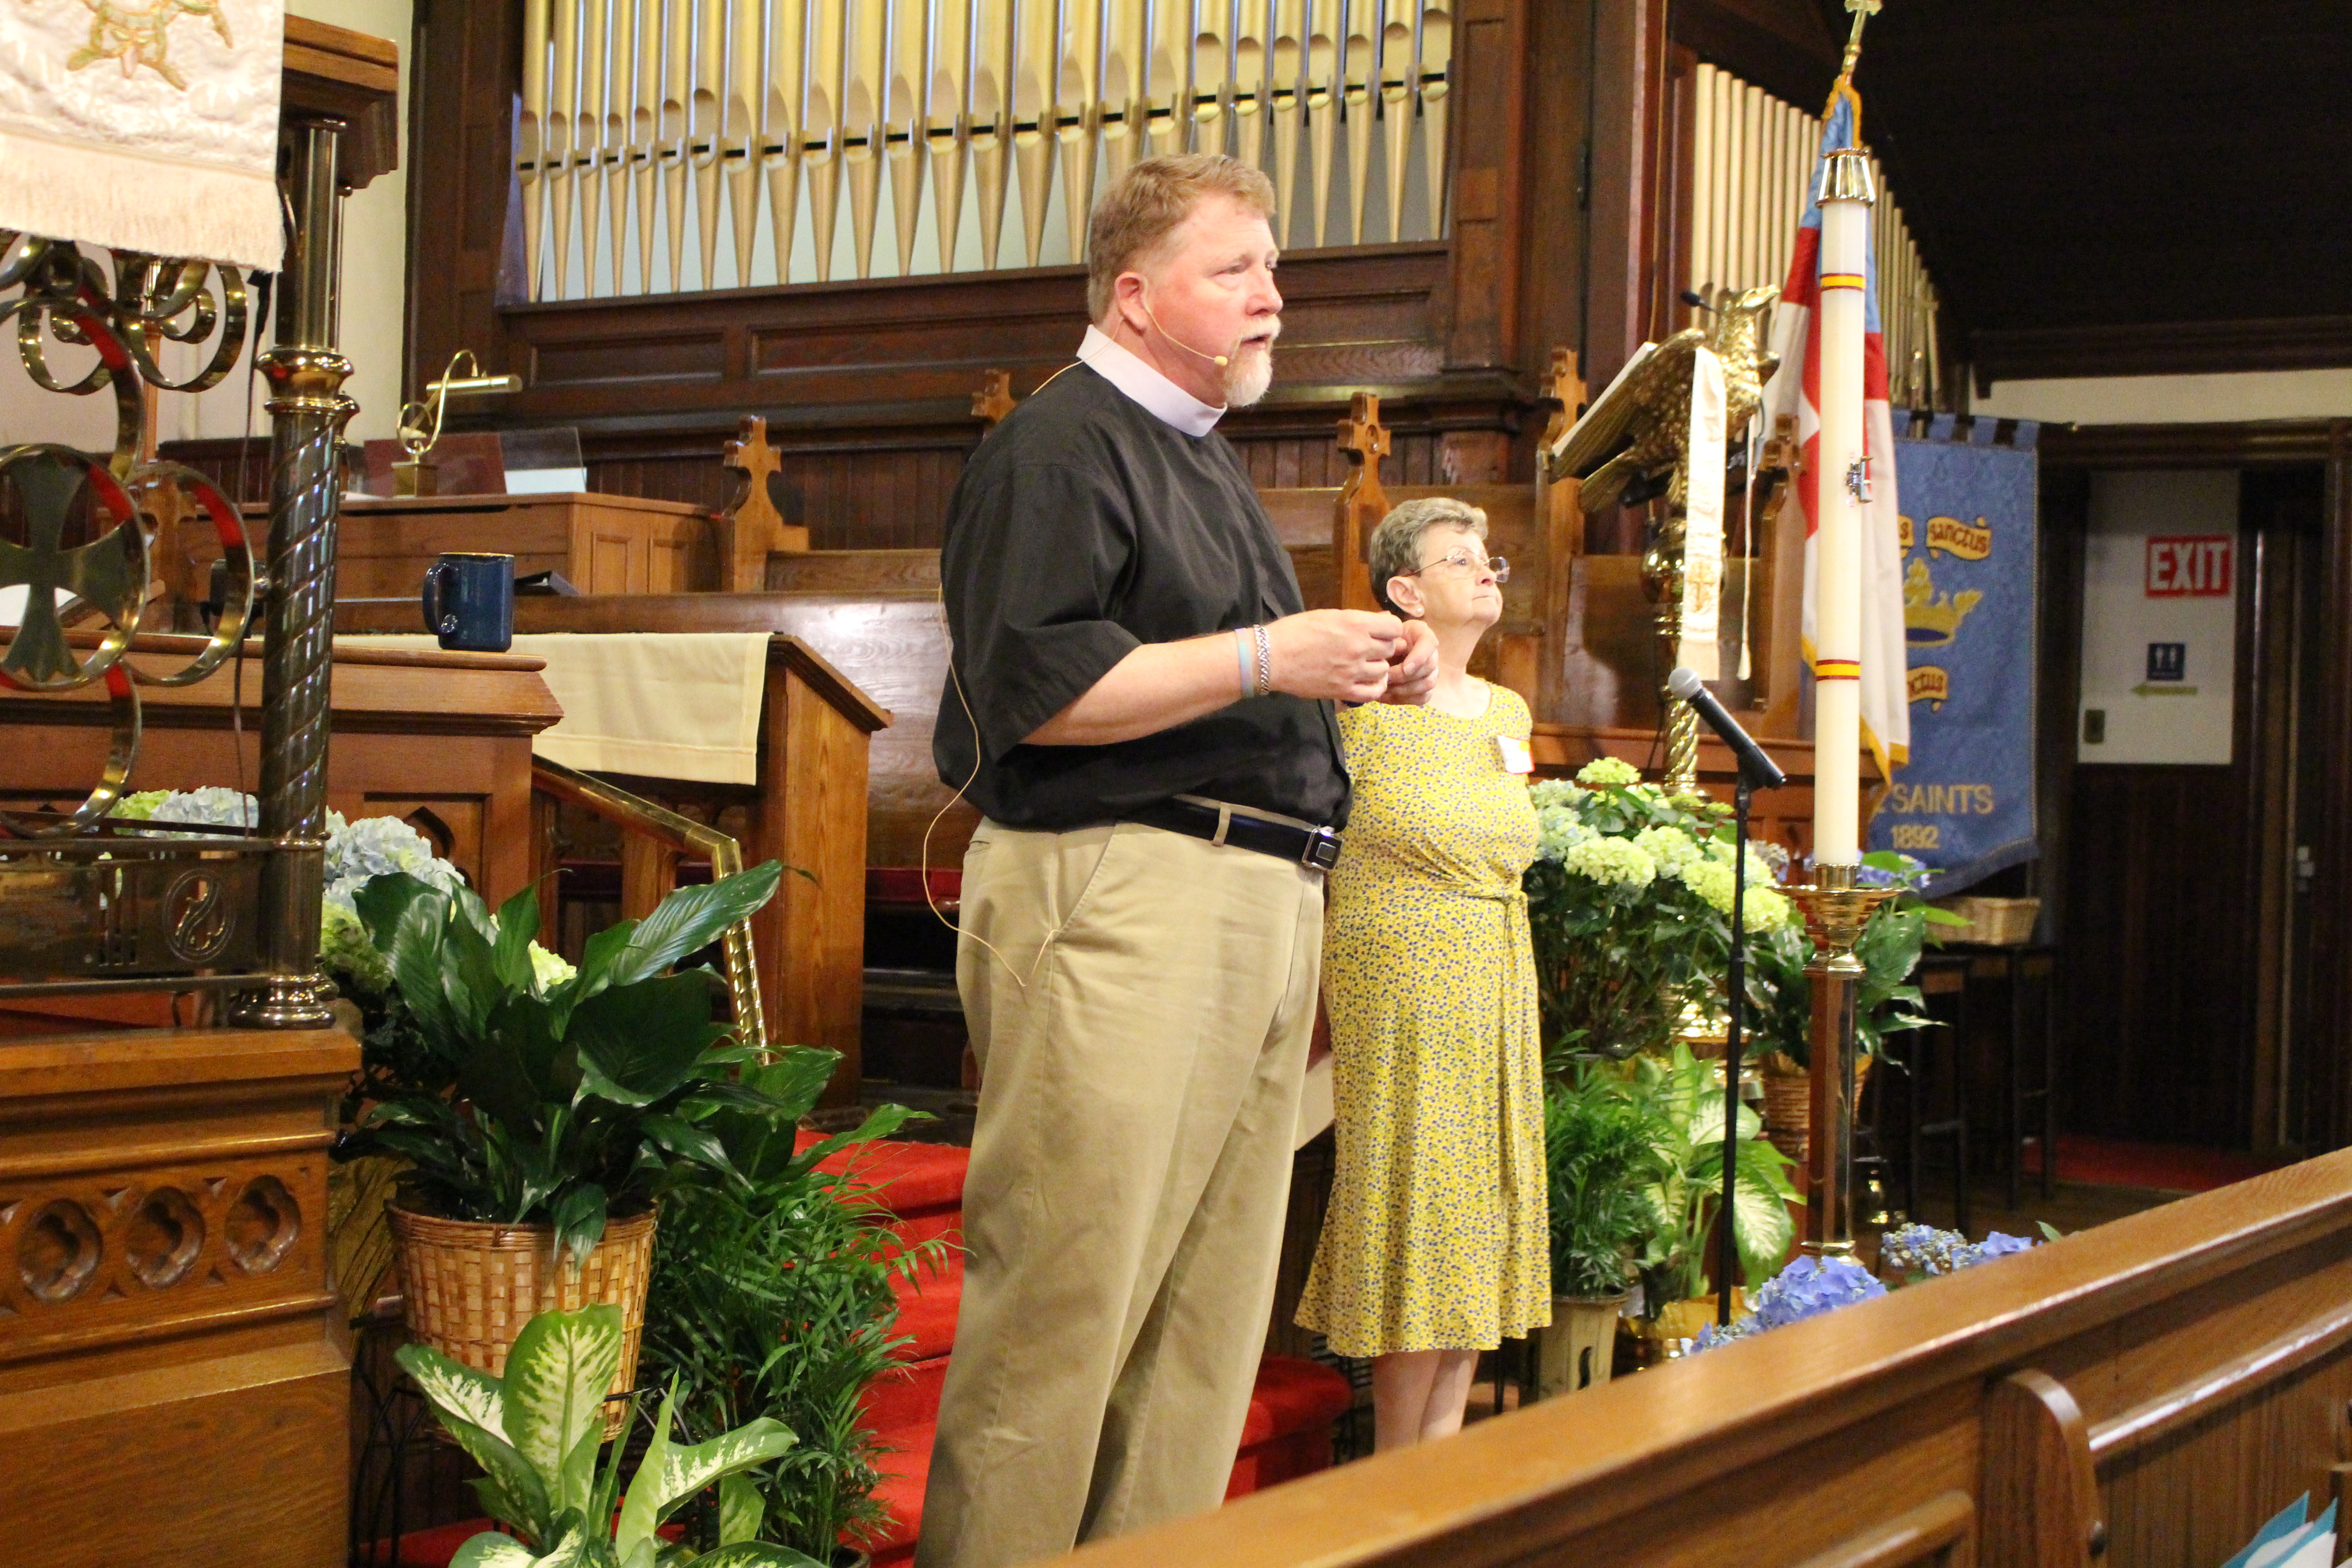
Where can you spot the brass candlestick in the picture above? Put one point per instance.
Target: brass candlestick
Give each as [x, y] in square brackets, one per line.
[1835, 911]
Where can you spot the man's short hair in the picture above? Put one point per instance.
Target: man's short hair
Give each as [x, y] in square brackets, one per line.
[1144, 205]
[1396, 548]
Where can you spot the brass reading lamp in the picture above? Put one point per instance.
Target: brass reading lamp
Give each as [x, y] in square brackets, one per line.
[420, 422]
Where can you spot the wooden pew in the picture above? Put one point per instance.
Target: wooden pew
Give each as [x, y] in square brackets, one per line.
[823, 728]
[2146, 1392]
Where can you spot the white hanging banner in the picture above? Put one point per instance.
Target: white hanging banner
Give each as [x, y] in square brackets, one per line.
[147, 125]
[1703, 520]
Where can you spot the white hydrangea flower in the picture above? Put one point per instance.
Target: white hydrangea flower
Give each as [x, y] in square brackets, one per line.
[212, 805]
[377, 845]
[1616, 861]
[344, 949]
[1671, 848]
[1556, 792]
[1558, 831]
[1605, 772]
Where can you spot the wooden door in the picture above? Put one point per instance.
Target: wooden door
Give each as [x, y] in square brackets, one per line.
[2181, 925]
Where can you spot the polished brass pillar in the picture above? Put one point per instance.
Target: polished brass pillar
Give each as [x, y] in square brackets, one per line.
[1661, 581]
[308, 410]
[1835, 911]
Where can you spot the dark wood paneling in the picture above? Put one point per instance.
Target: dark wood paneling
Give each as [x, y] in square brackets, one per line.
[2159, 1026]
[2185, 445]
[2161, 348]
[2067, 166]
[888, 489]
[2326, 1074]
[1623, 189]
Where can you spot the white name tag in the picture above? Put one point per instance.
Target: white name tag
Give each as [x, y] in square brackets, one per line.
[1516, 758]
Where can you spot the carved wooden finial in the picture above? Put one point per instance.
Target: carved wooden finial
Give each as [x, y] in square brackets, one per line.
[752, 526]
[1361, 434]
[1362, 502]
[994, 401]
[1563, 393]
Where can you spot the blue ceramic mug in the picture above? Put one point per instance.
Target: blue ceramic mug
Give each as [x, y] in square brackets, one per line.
[469, 602]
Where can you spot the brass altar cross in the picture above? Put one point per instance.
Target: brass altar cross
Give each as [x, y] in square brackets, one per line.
[105, 573]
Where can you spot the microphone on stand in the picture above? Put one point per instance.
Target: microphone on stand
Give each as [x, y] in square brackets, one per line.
[1755, 765]
[1757, 771]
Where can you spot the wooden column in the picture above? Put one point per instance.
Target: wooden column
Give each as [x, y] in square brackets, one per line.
[1627, 152]
[1562, 522]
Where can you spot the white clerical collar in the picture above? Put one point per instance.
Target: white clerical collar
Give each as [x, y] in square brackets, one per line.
[1166, 401]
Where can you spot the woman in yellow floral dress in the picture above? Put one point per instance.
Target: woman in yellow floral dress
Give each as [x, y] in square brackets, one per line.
[1434, 1247]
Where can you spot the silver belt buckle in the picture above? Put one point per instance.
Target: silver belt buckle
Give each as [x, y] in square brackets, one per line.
[1322, 851]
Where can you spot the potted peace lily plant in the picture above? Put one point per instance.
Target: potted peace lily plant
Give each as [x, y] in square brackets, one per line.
[542, 1113]
[1629, 903]
[1604, 1153]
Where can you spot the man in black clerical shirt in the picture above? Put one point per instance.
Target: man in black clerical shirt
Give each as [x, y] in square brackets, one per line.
[1143, 714]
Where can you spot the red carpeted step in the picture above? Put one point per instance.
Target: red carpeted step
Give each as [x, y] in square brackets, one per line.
[927, 1307]
[905, 1472]
[912, 1179]
[905, 1396]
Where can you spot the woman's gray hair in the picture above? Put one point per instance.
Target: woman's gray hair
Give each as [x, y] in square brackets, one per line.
[1396, 548]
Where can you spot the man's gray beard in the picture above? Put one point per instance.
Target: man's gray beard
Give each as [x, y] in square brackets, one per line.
[1248, 376]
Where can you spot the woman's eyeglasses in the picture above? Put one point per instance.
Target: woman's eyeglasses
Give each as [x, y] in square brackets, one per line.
[1460, 560]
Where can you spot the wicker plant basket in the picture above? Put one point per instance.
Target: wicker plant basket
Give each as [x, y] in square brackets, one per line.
[1788, 1102]
[471, 1285]
[2000, 922]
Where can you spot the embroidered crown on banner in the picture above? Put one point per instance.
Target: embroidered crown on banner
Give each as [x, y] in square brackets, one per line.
[1929, 621]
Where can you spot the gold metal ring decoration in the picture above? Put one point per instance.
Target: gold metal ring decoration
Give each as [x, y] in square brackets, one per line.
[67, 297]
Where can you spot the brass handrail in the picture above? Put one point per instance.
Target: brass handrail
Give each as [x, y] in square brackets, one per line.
[637, 814]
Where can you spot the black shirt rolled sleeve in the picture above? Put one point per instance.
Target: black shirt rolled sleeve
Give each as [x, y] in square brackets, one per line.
[1040, 553]
[1083, 527]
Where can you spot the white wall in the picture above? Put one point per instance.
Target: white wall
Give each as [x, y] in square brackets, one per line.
[2175, 399]
[375, 241]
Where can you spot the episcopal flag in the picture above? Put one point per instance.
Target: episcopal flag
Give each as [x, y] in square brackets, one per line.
[1795, 389]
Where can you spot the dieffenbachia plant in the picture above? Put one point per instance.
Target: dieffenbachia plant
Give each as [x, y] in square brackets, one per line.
[536, 1433]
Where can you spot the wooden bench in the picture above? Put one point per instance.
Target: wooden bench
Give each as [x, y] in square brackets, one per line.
[2152, 1390]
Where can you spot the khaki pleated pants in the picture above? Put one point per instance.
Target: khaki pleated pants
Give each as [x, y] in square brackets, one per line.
[1142, 1027]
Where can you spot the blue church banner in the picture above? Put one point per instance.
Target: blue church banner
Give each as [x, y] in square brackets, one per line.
[1964, 801]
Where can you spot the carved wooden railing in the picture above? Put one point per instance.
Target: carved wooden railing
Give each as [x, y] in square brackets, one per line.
[2151, 1390]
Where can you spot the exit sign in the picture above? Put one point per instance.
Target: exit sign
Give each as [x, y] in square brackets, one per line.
[2189, 566]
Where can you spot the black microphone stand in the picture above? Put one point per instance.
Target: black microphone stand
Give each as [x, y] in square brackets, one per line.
[1728, 1262]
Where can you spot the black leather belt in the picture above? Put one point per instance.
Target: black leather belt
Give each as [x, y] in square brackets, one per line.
[1316, 848]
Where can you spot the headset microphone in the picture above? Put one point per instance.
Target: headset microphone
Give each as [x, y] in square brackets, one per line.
[1220, 361]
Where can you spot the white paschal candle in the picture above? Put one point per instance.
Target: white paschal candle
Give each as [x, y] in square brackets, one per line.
[1837, 616]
